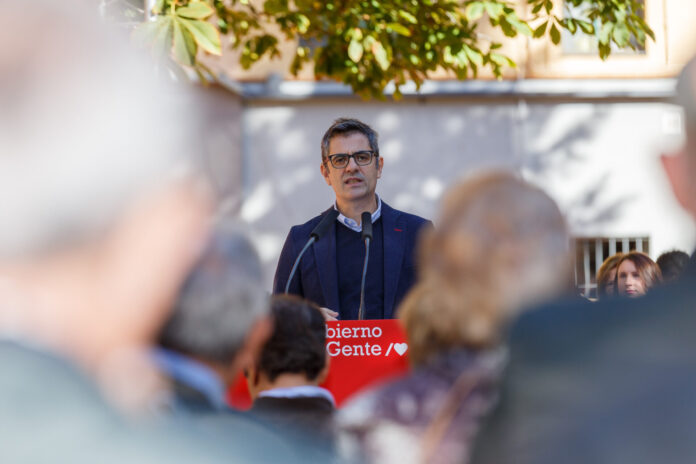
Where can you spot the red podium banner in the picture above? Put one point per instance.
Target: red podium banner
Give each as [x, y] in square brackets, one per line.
[362, 353]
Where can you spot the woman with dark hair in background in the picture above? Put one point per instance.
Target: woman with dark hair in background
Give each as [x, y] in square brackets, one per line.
[636, 273]
[606, 276]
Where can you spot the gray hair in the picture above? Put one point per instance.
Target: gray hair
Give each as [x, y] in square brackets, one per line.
[347, 126]
[220, 301]
[84, 127]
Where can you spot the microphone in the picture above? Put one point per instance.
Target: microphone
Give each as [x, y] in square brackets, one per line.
[314, 236]
[367, 238]
[366, 225]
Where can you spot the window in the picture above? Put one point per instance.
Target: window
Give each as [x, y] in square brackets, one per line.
[583, 44]
[577, 57]
[590, 253]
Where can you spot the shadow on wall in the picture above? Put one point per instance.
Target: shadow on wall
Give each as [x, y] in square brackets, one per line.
[562, 157]
[426, 147]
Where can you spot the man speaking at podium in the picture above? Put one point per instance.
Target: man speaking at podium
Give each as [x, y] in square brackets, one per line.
[332, 273]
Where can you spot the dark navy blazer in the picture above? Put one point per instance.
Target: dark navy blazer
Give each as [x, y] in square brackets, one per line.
[316, 278]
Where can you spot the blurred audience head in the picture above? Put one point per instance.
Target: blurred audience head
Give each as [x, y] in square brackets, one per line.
[686, 97]
[500, 244]
[221, 307]
[606, 276]
[680, 166]
[101, 214]
[636, 273]
[672, 264]
[295, 354]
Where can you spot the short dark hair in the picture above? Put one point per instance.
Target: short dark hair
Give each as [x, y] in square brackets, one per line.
[347, 126]
[298, 341]
[219, 302]
[672, 263]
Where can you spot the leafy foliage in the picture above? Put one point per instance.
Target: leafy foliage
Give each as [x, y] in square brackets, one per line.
[369, 44]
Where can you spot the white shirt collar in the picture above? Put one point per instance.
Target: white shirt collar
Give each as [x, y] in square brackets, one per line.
[302, 391]
[353, 225]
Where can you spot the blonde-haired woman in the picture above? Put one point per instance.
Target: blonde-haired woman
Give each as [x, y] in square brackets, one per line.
[606, 276]
[500, 244]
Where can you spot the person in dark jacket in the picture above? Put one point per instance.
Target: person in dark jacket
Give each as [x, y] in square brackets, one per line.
[285, 382]
[611, 382]
[330, 274]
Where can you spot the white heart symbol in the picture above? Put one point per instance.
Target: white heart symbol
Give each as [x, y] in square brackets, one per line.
[400, 348]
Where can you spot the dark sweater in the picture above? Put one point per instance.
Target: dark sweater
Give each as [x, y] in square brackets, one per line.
[350, 256]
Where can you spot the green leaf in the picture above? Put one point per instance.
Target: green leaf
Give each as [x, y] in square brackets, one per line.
[571, 25]
[540, 31]
[205, 34]
[185, 47]
[605, 33]
[368, 42]
[354, 34]
[408, 17]
[447, 56]
[303, 23]
[586, 27]
[494, 9]
[621, 35]
[399, 29]
[474, 11]
[381, 55]
[507, 28]
[355, 50]
[198, 10]
[537, 8]
[555, 35]
[474, 56]
[518, 24]
[162, 45]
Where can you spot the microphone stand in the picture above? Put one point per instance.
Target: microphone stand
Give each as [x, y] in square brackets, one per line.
[315, 235]
[311, 240]
[367, 238]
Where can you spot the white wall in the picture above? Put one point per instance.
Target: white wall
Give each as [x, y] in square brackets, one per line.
[598, 160]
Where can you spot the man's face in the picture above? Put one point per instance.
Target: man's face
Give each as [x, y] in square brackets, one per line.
[354, 182]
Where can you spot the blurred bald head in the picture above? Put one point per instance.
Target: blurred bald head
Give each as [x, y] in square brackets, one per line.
[84, 128]
[101, 215]
[686, 98]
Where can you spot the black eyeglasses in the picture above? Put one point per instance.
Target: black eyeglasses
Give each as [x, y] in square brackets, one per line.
[362, 158]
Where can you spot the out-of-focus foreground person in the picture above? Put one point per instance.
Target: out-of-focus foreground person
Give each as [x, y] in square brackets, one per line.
[219, 322]
[284, 384]
[611, 382]
[606, 276]
[101, 222]
[499, 245]
[636, 273]
[672, 264]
